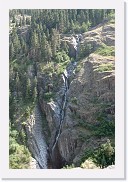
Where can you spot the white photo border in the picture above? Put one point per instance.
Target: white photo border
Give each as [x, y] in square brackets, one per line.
[119, 171]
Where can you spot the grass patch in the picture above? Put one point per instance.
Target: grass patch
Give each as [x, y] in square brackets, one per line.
[105, 67]
[105, 50]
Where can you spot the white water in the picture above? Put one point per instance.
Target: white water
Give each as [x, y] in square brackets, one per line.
[65, 77]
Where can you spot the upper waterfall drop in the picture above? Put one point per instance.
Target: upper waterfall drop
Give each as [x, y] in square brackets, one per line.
[74, 42]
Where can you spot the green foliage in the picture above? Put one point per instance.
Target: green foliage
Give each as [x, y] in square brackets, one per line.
[87, 154]
[47, 68]
[105, 67]
[61, 57]
[105, 126]
[19, 155]
[74, 100]
[104, 155]
[61, 67]
[22, 136]
[69, 166]
[85, 50]
[83, 137]
[48, 96]
[111, 16]
[105, 50]
[20, 158]
[27, 112]
[78, 68]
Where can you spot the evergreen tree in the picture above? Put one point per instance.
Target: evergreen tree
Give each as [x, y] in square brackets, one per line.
[28, 89]
[35, 94]
[11, 51]
[24, 20]
[17, 84]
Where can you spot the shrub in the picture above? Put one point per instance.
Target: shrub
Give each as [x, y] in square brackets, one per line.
[19, 155]
[104, 155]
[61, 57]
[48, 96]
[85, 50]
[69, 166]
[88, 164]
[74, 100]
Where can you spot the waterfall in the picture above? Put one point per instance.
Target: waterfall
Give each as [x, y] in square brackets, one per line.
[62, 113]
[65, 76]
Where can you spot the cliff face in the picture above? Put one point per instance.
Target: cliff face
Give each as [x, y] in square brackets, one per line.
[83, 101]
[90, 95]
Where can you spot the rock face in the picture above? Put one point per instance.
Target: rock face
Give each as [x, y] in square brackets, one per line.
[89, 88]
[104, 34]
[88, 97]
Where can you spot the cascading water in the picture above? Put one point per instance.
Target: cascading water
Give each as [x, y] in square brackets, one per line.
[65, 75]
[62, 108]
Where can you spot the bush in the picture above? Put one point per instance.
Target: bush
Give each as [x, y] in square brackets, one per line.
[85, 50]
[101, 157]
[104, 155]
[19, 158]
[19, 155]
[61, 57]
[88, 164]
[69, 166]
[48, 96]
[105, 127]
[74, 100]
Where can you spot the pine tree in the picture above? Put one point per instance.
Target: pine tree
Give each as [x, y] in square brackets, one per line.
[28, 89]
[24, 20]
[34, 40]
[17, 84]
[28, 21]
[34, 94]
[11, 52]
[48, 52]
[55, 41]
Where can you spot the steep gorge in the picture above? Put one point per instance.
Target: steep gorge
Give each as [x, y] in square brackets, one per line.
[75, 107]
[72, 116]
[90, 96]
[36, 140]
